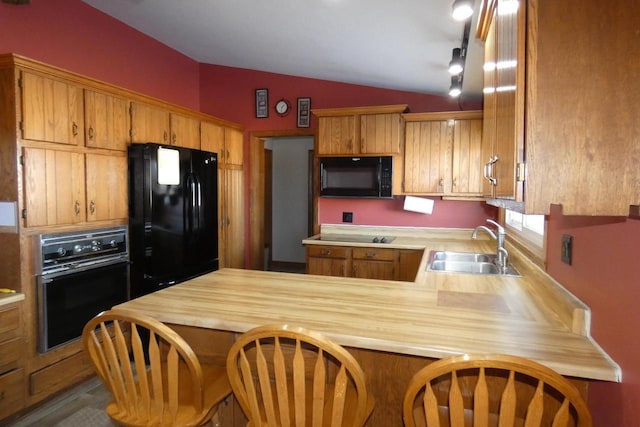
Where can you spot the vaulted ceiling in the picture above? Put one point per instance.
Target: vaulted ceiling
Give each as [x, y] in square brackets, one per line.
[402, 45]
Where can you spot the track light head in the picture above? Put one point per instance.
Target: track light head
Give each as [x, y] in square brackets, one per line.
[456, 87]
[456, 64]
[462, 9]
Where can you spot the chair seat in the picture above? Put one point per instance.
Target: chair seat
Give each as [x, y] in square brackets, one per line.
[216, 388]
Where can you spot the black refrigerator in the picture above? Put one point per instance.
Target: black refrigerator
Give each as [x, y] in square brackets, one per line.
[173, 215]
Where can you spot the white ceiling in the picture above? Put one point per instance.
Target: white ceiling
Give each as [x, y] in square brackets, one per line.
[402, 45]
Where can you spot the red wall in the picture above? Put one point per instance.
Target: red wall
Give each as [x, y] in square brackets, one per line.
[604, 274]
[73, 35]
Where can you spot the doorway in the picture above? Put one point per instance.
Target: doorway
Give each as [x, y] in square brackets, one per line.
[288, 201]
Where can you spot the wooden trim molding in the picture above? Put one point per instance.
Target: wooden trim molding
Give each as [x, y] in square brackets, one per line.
[350, 111]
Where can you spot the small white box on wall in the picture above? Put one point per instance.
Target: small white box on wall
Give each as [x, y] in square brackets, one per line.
[418, 204]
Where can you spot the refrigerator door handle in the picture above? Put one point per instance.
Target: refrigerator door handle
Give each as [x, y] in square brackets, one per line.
[198, 202]
[190, 203]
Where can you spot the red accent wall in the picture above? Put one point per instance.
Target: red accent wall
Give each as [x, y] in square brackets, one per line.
[605, 270]
[605, 275]
[77, 37]
[446, 213]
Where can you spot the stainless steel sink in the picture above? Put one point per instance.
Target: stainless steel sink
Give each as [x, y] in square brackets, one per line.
[467, 262]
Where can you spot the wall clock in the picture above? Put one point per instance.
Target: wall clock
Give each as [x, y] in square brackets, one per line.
[283, 107]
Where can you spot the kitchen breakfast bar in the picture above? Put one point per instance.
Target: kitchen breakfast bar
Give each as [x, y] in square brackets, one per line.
[393, 328]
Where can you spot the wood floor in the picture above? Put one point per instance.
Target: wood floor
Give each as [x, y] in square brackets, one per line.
[82, 406]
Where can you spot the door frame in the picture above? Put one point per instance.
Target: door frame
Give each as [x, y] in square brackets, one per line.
[256, 190]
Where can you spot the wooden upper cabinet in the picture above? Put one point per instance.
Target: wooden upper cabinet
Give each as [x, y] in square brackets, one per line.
[234, 143]
[52, 110]
[149, 124]
[504, 92]
[54, 187]
[427, 156]
[361, 130]
[107, 121]
[582, 132]
[212, 139]
[225, 141]
[185, 131]
[443, 154]
[467, 169]
[574, 125]
[381, 133]
[337, 135]
[106, 180]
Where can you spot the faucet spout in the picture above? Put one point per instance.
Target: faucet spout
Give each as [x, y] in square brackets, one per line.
[499, 237]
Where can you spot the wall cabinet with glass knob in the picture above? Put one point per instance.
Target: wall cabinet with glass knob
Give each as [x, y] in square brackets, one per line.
[107, 121]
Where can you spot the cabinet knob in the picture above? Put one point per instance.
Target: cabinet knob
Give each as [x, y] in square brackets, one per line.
[326, 252]
[174, 138]
[90, 132]
[92, 207]
[165, 136]
[74, 129]
[370, 254]
[77, 207]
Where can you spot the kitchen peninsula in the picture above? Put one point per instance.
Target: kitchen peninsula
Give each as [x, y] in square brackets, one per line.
[393, 328]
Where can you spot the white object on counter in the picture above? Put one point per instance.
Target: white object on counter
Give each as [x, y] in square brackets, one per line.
[418, 204]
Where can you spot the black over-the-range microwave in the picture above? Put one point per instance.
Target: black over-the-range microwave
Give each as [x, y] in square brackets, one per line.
[356, 176]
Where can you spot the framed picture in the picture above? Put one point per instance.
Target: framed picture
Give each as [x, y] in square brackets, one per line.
[262, 103]
[304, 112]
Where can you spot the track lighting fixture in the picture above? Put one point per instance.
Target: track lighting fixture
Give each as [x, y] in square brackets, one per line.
[456, 65]
[462, 9]
[456, 86]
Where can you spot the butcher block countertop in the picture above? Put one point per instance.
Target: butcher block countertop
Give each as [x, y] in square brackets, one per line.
[438, 315]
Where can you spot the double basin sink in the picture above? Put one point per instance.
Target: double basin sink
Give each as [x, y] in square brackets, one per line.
[468, 262]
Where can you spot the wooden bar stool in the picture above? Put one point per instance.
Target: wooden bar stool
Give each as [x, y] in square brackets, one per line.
[492, 390]
[289, 376]
[171, 389]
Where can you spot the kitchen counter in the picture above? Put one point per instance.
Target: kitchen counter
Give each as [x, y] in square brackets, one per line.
[438, 315]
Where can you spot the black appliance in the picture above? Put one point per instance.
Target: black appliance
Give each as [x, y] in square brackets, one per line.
[356, 176]
[173, 215]
[78, 275]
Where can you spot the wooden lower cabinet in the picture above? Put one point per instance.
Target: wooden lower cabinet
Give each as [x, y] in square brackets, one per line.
[60, 375]
[12, 344]
[363, 262]
[328, 260]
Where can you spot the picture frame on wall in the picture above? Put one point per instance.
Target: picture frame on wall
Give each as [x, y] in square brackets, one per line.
[262, 103]
[304, 112]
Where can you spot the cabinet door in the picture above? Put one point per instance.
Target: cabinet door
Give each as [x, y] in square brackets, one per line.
[327, 266]
[337, 135]
[509, 141]
[427, 164]
[149, 124]
[489, 110]
[52, 110]
[365, 269]
[467, 158]
[408, 264]
[234, 142]
[53, 187]
[212, 139]
[231, 219]
[106, 187]
[185, 131]
[380, 133]
[328, 260]
[107, 121]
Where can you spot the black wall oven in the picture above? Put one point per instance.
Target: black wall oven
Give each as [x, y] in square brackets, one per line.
[78, 276]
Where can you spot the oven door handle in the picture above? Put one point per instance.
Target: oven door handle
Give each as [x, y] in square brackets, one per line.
[160, 284]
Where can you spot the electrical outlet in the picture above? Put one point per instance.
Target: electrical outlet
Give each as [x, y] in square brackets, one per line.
[567, 248]
[347, 216]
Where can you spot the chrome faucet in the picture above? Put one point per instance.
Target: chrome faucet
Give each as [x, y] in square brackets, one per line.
[499, 237]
